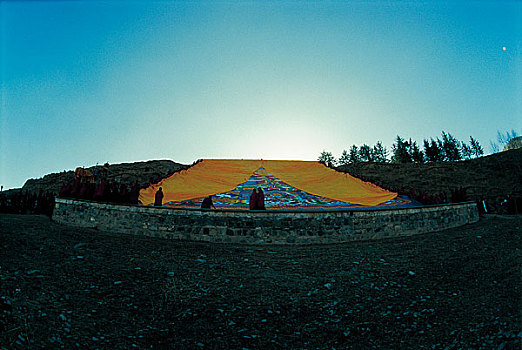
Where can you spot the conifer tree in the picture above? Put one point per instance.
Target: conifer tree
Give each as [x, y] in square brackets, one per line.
[432, 151]
[465, 150]
[400, 151]
[365, 153]
[450, 146]
[416, 154]
[379, 153]
[476, 148]
[354, 154]
[345, 158]
[327, 159]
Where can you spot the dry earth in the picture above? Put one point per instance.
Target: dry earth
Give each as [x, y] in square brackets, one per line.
[80, 288]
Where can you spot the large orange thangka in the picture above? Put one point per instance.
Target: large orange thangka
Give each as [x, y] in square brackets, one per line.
[287, 184]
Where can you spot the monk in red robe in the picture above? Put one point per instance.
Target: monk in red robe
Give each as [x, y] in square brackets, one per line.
[158, 198]
[260, 199]
[253, 200]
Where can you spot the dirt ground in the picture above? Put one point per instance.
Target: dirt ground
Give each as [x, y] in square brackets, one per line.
[81, 288]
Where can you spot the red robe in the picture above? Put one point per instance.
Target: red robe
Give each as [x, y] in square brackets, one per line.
[260, 202]
[253, 200]
[158, 198]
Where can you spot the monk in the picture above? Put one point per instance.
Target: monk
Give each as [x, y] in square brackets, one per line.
[207, 203]
[260, 202]
[158, 198]
[253, 200]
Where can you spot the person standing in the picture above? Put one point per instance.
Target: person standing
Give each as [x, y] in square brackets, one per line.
[260, 199]
[253, 200]
[158, 198]
[207, 203]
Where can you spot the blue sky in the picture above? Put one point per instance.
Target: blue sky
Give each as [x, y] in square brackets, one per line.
[115, 81]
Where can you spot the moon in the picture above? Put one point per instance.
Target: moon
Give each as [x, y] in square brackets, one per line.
[504, 48]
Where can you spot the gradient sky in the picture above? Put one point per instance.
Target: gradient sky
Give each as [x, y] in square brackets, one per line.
[86, 82]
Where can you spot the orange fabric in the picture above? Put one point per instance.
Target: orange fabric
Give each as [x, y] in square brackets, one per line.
[213, 176]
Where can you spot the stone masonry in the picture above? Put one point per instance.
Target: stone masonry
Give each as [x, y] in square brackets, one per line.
[275, 227]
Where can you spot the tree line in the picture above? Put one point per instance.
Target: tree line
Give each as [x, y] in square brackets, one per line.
[444, 149]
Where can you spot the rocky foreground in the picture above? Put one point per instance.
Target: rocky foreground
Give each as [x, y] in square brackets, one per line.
[80, 288]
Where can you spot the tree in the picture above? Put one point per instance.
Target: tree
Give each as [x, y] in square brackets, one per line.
[400, 151]
[476, 148]
[416, 154]
[379, 153]
[502, 140]
[465, 150]
[432, 151]
[365, 153]
[345, 158]
[354, 154]
[450, 147]
[327, 159]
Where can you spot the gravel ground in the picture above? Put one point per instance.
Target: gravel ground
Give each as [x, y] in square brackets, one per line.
[81, 288]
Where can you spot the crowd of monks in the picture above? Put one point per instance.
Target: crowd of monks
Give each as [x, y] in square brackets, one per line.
[24, 202]
[104, 191]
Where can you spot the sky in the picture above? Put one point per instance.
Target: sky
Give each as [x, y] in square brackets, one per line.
[87, 82]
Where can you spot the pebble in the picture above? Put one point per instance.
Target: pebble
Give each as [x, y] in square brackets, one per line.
[118, 282]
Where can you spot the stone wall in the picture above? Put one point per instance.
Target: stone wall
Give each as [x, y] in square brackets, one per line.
[281, 226]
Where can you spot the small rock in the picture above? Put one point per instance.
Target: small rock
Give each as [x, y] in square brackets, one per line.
[32, 272]
[79, 245]
[411, 273]
[118, 282]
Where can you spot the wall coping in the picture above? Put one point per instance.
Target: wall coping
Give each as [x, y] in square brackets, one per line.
[268, 211]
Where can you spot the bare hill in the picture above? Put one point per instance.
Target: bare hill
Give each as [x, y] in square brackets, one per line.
[492, 177]
[128, 173]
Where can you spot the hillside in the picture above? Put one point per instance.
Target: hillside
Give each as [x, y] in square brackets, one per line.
[492, 177]
[128, 173]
